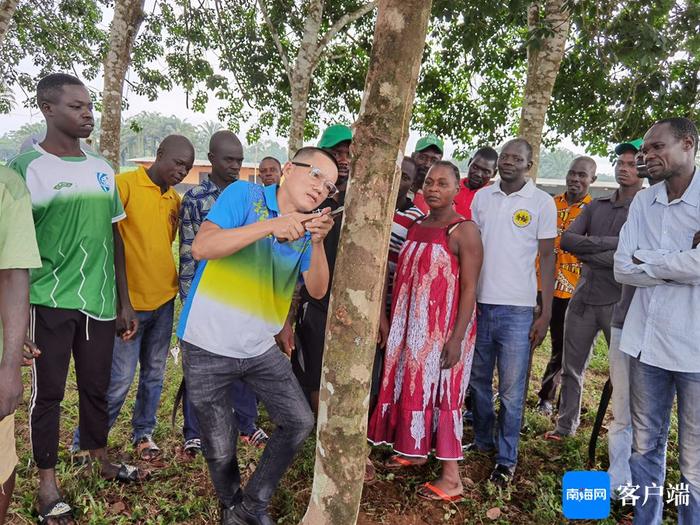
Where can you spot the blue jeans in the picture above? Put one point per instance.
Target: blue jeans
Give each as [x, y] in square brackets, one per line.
[245, 407]
[502, 338]
[651, 402]
[149, 348]
[209, 378]
[620, 428]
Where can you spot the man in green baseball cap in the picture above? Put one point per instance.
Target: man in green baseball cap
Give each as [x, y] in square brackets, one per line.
[428, 151]
[336, 139]
[632, 145]
[306, 343]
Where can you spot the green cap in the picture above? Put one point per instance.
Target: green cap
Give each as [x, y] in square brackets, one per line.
[633, 145]
[430, 140]
[334, 135]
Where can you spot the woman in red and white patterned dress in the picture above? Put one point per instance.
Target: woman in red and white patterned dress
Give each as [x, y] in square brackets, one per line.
[431, 341]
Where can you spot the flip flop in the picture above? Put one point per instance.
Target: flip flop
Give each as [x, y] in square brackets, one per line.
[370, 473]
[56, 510]
[397, 462]
[147, 450]
[126, 474]
[553, 435]
[432, 493]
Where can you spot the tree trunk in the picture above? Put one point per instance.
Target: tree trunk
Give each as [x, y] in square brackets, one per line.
[543, 60]
[128, 15]
[380, 137]
[300, 79]
[301, 84]
[7, 10]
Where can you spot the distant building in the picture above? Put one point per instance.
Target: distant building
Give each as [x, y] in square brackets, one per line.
[200, 170]
[558, 186]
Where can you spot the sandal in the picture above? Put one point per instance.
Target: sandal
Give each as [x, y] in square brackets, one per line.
[370, 472]
[553, 435]
[192, 447]
[397, 462]
[432, 493]
[146, 449]
[126, 474]
[81, 458]
[257, 439]
[57, 510]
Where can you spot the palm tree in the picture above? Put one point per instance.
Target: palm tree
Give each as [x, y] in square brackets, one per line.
[209, 127]
[555, 163]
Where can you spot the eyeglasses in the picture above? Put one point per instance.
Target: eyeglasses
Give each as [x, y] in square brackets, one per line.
[319, 178]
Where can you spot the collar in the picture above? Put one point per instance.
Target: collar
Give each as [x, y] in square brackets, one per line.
[144, 180]
[465, 185]
[691, 195]
[526, 191]
[208, 186]
[270, 193]
[617, 201]
[562, 197]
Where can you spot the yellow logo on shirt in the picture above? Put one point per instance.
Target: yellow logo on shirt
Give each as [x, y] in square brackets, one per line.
[521, 218]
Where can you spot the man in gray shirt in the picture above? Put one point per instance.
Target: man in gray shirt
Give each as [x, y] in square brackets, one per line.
[593, 239]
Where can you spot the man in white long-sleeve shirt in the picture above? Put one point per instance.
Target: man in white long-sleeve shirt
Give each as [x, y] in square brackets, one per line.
[658, 254]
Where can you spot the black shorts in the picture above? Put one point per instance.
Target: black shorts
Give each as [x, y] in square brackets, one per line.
[310, 336]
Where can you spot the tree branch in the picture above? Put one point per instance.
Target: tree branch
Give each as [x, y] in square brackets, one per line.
[346, 19]
[276, 38]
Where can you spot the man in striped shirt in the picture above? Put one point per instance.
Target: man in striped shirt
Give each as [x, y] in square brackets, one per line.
[405, 216]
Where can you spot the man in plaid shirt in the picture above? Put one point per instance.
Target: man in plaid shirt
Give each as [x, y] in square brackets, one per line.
[226, 157]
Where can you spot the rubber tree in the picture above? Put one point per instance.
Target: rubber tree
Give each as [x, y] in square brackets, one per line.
[300, 69]
[7, 9]
[548, 24]
[128, 15]
[380, 135]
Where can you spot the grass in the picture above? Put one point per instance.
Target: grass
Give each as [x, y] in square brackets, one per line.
[179, 490]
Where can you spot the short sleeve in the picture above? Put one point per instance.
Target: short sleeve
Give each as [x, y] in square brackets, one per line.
[118, 213]
[18, 247]
[231, 208]
[475, 208]
[306, 257]
[547, 223]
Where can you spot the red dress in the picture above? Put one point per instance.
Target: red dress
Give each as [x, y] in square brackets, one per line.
[420, 405]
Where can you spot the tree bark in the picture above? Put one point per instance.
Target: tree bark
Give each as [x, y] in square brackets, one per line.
[310, 51]
[300, 78]
[7, 10]
[128, 15]
[356, 300]
[543, 60]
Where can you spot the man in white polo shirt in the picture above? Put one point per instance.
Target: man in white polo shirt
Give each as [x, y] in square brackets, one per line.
[518, 221]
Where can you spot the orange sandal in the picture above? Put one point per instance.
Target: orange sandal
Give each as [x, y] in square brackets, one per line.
[432, 493]
[397, 462]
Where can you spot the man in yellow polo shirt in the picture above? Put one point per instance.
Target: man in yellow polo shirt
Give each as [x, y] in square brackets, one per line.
[152, 206]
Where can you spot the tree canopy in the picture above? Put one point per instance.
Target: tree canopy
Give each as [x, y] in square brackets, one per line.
[223, 49]
[625, 65]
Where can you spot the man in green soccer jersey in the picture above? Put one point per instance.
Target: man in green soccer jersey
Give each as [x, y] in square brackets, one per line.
[79, 297]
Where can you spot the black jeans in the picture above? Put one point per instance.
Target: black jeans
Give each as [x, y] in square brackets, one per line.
[209, 378]
[552, 374]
